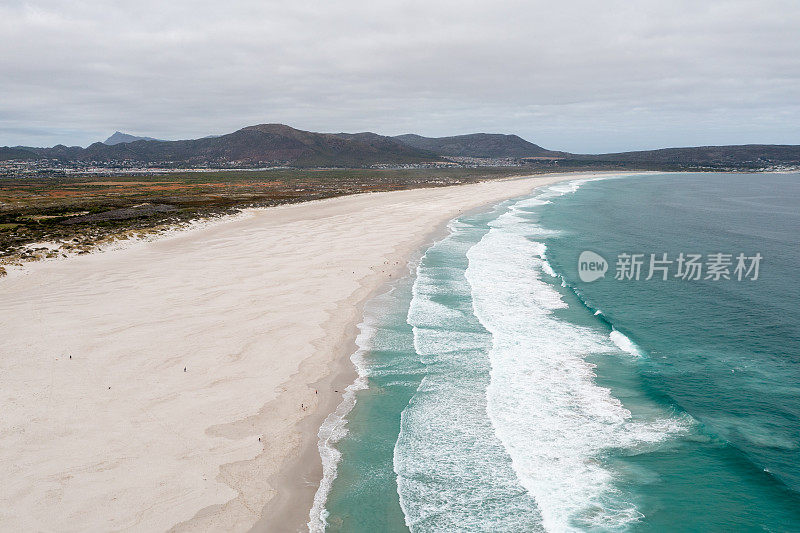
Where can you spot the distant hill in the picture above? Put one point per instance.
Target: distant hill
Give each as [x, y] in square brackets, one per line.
[118, 138]
[756, 154]
[267, 144]
[64, 153]
[478, 145]
[16, 152]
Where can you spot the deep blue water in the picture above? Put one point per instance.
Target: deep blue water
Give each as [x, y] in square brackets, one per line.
[501, 393]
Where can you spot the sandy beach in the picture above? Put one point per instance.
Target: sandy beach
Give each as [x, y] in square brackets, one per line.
[179, 384]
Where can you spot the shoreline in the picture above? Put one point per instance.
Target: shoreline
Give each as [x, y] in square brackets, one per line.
[301, 476]
[166, 448]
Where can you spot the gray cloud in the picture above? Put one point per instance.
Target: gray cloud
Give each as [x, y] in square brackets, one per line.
[580, 75]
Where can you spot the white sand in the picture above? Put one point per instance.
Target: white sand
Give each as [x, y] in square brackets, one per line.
[120, 437]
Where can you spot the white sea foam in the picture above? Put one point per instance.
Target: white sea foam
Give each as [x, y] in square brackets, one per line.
[624, 343]
[560, 189]
[334, 428]
[552, 418]
[546, 267]
[564, 187]
[514, 218]
[452, 471]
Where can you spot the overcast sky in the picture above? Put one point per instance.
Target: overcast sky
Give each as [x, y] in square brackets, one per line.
[583, 76]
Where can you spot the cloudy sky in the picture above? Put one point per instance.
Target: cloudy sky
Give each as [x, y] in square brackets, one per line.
[583, 76]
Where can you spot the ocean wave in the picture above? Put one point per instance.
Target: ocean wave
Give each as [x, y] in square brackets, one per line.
[553, 419]
[624, 343]
[452, 472]
[515, 218]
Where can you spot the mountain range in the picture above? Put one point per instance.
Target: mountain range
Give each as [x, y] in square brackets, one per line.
[281, 145]
[264, 144]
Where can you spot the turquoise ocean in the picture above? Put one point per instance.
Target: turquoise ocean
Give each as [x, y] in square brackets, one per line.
[499, 392]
